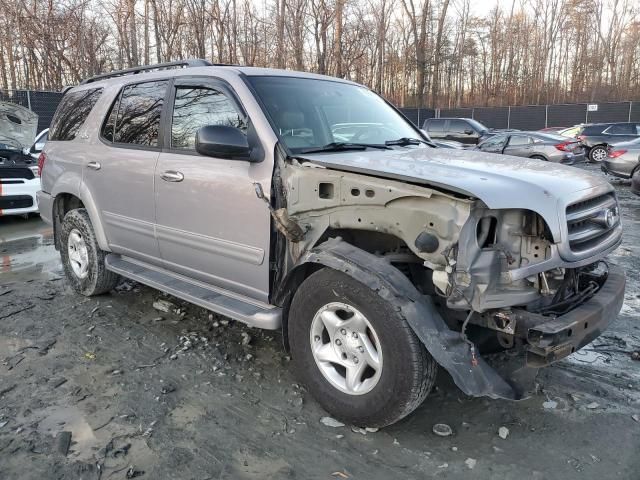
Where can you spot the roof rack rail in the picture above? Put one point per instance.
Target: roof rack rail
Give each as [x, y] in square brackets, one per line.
[147, 68]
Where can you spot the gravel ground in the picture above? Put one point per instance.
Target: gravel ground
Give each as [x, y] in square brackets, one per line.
[189, 395]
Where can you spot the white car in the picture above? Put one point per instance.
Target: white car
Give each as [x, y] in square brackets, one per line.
[19, 180]
[19, 173]
[38, 144]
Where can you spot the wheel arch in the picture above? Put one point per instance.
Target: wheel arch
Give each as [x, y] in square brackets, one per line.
[65, 201]
[445, 345]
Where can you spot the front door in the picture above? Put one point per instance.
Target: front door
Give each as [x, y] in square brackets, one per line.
[460, 131]
[519, 146]
[493, 144]
[209, 223]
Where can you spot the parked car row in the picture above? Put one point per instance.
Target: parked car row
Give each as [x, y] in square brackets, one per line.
[616, 145]
[597, 137]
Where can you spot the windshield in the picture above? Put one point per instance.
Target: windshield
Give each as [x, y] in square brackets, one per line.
[311, 114]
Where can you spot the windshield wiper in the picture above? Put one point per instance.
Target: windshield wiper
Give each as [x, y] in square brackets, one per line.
[340, 146]
[404, 141]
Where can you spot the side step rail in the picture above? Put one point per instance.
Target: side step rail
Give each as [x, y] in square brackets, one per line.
[216, 300]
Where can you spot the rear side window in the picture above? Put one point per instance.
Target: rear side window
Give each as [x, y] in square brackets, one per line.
[622, 129]
[197, 107]
[134, 117]
[593, 129]
[434, 125]
[72, 113]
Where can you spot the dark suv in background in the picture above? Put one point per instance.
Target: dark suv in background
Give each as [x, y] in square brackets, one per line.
[463, 130]
[597, 136]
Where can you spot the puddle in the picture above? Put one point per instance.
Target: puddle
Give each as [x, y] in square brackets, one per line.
[70, 419]
[26, 250]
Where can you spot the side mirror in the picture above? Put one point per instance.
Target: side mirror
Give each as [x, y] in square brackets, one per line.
[468, 132]
[223, 142]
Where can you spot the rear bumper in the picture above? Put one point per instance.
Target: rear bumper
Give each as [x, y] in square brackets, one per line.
[45, 204]
[618, 169]
[19, 198]
[557, 338]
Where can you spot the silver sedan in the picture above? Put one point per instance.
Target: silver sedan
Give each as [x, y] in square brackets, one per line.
[543, 146]
[623, 159]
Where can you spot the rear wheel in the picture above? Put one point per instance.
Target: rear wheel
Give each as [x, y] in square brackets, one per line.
[598, 153]
[538, 157]
[82, 259]
[356, 354]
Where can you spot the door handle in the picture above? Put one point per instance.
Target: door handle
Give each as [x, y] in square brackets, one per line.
[94, 165]
[172, 176]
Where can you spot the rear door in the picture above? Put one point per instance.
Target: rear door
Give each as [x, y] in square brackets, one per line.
[209, 223]
[621, 132]
[119, 171]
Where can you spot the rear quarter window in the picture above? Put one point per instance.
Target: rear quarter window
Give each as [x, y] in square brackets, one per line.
[72, 113]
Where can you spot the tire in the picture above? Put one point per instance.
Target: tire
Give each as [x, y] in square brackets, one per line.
[538, 157]
[406, 370]
[94, 278]
[598, 153]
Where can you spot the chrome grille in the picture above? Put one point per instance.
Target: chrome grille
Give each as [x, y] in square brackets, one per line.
[592, 221]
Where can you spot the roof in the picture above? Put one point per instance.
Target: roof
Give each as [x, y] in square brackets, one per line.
[195, 68]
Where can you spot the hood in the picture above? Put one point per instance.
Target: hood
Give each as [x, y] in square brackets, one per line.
[500, 181]
[18, 125]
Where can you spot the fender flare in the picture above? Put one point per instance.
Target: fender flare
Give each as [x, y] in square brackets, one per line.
[73, 185]
[445, 345]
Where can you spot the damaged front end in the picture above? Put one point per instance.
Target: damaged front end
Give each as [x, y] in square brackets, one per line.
[488, 291]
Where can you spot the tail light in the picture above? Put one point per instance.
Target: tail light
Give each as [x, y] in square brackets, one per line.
[565, 146]
[616, 153]
[41, 160]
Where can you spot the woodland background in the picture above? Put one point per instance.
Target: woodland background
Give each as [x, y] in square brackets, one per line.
[437, 53]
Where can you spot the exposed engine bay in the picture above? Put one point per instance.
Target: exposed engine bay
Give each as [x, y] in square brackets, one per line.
[496, 277]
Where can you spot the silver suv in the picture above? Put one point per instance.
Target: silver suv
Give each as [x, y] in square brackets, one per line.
[379, 256]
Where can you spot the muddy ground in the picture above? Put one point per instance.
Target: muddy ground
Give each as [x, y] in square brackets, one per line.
[188, 395]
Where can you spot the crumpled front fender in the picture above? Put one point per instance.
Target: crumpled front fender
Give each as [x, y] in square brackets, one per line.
[445, 345]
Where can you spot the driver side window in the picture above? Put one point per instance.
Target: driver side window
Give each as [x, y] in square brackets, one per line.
[197, 107]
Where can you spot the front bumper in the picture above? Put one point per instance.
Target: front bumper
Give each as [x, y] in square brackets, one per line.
[19, 198]
[553, 339]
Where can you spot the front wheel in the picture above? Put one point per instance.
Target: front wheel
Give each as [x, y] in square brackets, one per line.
[356, 354]
[82, 259]
[598, 153]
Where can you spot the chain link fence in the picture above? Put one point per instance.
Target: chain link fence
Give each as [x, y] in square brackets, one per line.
[42, 103]
[524, 117]
[534, 117]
